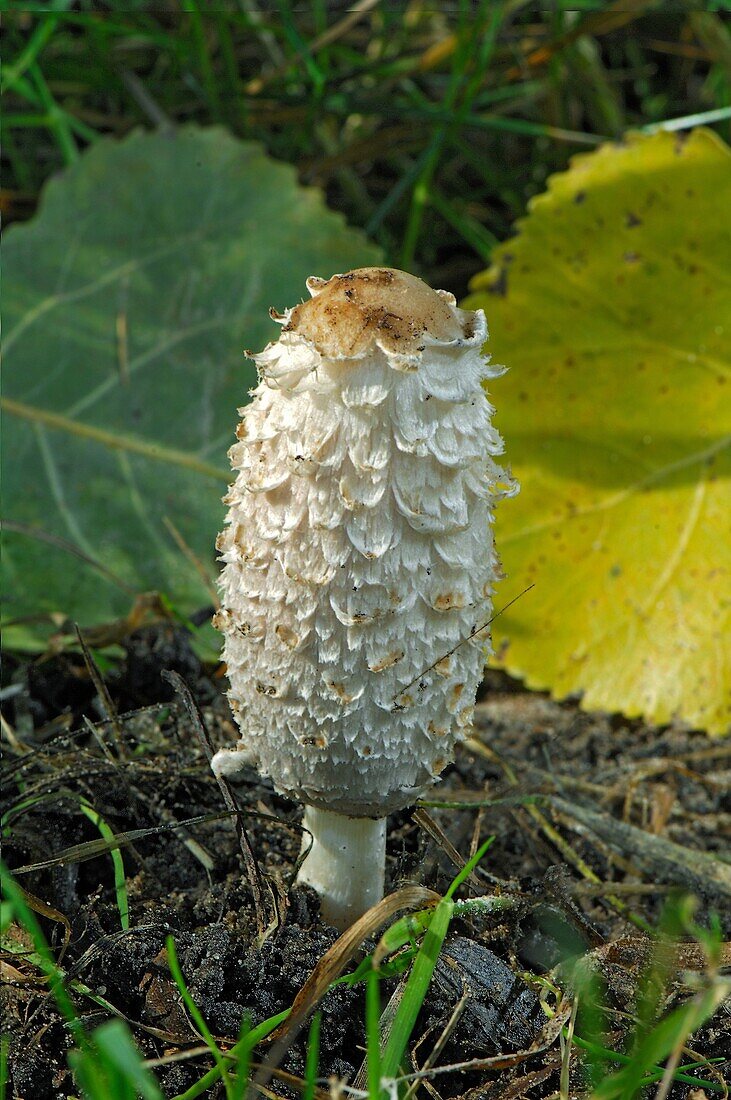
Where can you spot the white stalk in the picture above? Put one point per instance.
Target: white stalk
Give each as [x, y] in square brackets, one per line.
[346, 863]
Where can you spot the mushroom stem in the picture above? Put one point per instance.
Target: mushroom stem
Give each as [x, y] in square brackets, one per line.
[346, 863]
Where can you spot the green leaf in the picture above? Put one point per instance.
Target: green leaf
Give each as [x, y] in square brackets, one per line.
[612, 308]
[128, 301]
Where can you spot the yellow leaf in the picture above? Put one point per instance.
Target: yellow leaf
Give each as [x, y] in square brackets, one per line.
[612, 308]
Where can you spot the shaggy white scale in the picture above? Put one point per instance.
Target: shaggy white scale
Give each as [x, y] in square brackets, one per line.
[358, 547]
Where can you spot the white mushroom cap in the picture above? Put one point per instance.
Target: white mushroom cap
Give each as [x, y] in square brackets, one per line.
[358, 547]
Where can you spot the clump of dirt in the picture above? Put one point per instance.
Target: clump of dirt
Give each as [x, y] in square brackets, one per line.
[597, 821]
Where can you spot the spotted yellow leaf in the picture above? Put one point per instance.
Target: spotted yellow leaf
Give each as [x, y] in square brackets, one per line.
[612, 308]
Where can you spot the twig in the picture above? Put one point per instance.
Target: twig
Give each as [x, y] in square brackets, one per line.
[103, 693]
[152, 109]
[438, 1046]
[566, 1052]
[429, 825]
[552, 834]
[604, 889]
[668, 861]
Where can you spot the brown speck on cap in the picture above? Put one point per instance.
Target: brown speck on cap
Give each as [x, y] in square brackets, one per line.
[350, 313]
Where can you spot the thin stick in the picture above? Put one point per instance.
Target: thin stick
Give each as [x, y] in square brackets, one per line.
[68, 548]
[566, 1052]
[429, 825]
[150, 106]
[103, 693]
[439, 1046]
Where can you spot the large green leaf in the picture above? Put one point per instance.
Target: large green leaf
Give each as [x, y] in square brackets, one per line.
[612, 307]
[128, 301]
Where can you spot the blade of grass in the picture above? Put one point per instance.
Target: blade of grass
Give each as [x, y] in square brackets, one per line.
[22, 913]
[590, 1000]
[420, 194]
[243, 1049]
[204, 58]
[59, 123]
[600, 1054]
[373, 1037]
[469, 867]
[675, 1028]
[23, 88]
[235, 105]
[93, 1076]
[313, 1058]
[4, 1044]
[28, 56]
[114, 1042]
[473, 233]
[17, 811]
[120, 886]
[422, 970]
[394, 195]
[197, 1017]
[23, 174]
[90, 849]
[241, 1080]
[416, 988]
[301, 50]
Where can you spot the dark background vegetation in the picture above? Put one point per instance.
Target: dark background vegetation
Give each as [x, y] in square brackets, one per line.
[429, 125]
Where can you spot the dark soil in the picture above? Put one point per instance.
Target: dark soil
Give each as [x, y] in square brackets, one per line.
[625, 816]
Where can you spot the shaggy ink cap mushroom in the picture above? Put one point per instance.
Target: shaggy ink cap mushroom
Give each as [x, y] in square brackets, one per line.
[357, 552]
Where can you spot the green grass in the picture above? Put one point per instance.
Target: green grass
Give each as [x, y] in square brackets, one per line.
[120, 887]
[656, 1036]
[107, 1064]
[197, 1017]
[313, 1058]
[373, 1032]
[430, 127]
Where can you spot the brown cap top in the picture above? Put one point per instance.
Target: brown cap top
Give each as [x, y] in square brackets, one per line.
[373, 305]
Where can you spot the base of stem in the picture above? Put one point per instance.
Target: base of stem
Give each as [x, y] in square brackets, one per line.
[345, 865]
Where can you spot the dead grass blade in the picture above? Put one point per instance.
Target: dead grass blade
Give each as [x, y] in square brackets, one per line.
[90, 849]
[103, 693]
[429, 825]
[45, 910]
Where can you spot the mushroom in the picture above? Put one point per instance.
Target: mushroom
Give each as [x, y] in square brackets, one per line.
[359, 563]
